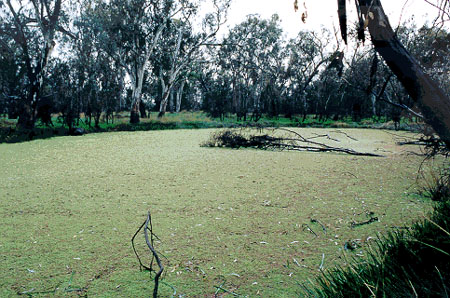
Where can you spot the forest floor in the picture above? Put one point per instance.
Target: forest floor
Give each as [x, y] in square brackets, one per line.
[232, 222]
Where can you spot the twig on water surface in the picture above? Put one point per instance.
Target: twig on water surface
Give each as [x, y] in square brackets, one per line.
[317, 136]
[155, 256]
[321, 264]
[356, 224]
[307, 227]
[323, 227]
[218, 289]
[221, 288]
[341, 132]
[172, 287]
[351, 174]
[67, 289]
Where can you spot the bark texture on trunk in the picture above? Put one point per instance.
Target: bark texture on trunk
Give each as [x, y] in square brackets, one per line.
[134, 115]
[137, 73]
[173, 75]
[180, 96]
[435, 105]
[48, 25]
[137, 80]
[171, 101]
[164, 101]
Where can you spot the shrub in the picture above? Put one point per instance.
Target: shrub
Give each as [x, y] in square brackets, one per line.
[438, 186]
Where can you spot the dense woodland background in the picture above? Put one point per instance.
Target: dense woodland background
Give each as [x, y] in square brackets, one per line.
[93, 59]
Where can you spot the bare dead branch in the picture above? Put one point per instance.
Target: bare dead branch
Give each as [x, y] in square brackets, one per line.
[134, 248]
[431, 144]
[148, 227]
[155, 254]
[345, 134]
[293, 141]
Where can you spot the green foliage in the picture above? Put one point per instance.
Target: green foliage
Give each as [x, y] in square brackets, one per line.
[437, 187]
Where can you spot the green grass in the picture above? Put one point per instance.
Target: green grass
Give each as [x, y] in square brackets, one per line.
[70, 205]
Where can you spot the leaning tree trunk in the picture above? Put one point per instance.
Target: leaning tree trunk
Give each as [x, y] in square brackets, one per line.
[433, 102]
[173, 75]
[164, 101]
[167, 90]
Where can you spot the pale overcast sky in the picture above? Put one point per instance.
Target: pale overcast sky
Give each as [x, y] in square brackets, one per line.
[322, 12]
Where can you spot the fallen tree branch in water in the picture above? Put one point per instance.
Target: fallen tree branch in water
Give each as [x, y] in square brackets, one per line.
[432, 145]
[261, 139]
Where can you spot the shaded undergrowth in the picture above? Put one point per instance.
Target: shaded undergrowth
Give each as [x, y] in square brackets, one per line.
[185, 120]
[12, 135]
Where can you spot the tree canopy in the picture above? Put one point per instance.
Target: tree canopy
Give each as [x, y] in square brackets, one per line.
[141, 55]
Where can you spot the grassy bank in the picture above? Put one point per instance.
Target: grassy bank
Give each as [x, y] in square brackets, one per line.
[186, 120]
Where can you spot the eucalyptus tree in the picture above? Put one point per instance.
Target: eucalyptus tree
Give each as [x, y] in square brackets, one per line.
[372, 78]
[432, 47]
[129, 31]
[62, 80]
[250, 57]
[98, 78]
[183, 43]
[216, 89]
[12, 78]
[308, 55]
[32, 26]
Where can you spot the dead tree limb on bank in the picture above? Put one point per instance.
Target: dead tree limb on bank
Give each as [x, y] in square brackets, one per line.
[432, 146]
[261, 139]
[147, 225]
